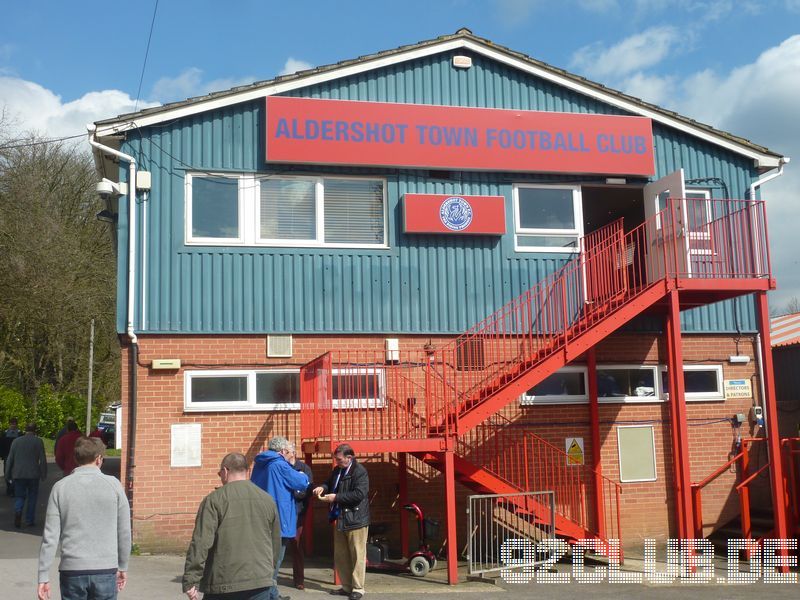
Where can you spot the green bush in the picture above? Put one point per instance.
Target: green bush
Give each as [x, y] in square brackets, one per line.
[13, 404]
[49, 414]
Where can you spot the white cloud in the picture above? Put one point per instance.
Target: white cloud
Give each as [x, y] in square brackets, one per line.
[757, 101]
[632, 54]
[190, 83]
[293, 65]
[31, 107]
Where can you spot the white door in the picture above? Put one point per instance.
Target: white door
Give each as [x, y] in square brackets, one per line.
[668, 248]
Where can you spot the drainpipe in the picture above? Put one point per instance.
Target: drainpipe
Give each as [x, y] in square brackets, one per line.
[134, 354]
[761, 387]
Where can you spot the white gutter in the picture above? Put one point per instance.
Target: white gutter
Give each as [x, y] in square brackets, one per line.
[759, 182]
[131, 223]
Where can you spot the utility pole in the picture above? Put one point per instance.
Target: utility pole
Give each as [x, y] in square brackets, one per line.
[87, 431]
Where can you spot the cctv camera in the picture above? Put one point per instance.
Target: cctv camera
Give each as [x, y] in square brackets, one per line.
[105, 189]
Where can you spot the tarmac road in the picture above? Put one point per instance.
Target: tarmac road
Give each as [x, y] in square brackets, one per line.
[158, 576]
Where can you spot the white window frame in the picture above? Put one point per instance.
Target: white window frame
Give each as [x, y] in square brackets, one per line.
[528, 400]
[319, 192]
[577, 211]
[701, 396]
[356, 403]
[703, 193]
[657, 394]
[249, 405]
[249, 198]
[213, 241]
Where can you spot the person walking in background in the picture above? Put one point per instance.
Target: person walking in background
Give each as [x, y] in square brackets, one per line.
[65, 448]
[6, 439]
[347, 493]
[273, 473]
[232, 555]
[301, 500]
[25, 467]
[89, 516]
[62, 432]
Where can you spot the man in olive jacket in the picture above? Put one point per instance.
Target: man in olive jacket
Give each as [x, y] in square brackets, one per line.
[347, 492]
[231, 555]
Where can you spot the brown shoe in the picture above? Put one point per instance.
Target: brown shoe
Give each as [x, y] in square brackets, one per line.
[300, 586]
[18, 520]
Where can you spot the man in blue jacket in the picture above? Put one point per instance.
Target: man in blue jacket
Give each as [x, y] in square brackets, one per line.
[273, 474]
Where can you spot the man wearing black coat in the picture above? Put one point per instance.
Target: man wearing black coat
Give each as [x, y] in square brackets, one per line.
[347, 493]
[301, 501]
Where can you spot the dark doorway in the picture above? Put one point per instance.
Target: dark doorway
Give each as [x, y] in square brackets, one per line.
[602, 205]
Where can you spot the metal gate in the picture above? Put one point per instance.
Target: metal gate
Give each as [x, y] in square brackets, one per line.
[505, 529]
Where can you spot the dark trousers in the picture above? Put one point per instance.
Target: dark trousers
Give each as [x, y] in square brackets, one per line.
[26, 493]
[298, 558]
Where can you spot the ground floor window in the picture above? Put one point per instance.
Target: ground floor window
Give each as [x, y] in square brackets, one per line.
[277, 389]
[625, 383]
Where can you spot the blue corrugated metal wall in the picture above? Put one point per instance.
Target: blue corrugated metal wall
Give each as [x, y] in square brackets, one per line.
[425, 284]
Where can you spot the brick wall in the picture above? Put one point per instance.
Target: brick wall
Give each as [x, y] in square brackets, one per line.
[165, 499]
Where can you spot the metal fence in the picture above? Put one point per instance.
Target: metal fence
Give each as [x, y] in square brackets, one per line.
[505, 530]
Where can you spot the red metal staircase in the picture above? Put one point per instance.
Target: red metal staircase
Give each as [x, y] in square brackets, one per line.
[420, 401]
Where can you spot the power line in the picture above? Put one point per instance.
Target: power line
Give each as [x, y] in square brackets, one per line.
[146, 53]
[40, 142]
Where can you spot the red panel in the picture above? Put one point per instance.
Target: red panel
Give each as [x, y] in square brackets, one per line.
[447, 213]
[306, 130]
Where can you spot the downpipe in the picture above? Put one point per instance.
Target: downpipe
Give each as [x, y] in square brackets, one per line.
[129, 329]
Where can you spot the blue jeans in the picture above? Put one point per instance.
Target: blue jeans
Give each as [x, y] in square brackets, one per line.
[26, 488]
[89, 587]
[273, 591]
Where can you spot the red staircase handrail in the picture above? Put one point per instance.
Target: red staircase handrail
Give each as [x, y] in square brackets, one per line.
[611, 271]
[529, 463]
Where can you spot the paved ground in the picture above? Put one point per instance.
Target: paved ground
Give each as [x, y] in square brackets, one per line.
[158, 577]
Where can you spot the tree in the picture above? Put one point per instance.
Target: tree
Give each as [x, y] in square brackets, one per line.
[57, 272]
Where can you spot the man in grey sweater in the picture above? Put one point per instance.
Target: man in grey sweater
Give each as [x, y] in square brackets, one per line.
[89, 515]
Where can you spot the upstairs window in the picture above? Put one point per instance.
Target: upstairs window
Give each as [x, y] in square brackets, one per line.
[547, 218]
[213, 209]
[285, 211]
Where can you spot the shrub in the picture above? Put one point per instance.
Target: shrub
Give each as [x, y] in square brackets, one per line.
[13, 404]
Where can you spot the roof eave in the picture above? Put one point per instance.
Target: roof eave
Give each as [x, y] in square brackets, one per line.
[763, 159]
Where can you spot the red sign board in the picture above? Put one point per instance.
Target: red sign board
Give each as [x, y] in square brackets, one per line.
[339, 132]
[449, 213]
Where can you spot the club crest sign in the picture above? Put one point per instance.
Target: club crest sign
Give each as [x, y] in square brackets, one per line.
[455, 213]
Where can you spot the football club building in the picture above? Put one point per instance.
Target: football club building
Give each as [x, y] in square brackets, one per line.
[486, 274]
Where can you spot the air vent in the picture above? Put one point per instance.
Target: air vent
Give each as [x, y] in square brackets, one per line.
[279, 346]
[469, 355]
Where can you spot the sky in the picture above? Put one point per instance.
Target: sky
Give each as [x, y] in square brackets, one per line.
[733, 64]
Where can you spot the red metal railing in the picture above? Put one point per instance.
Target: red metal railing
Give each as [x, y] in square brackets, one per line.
[741, 462]
[530, 463]
[358, 395]
[691, 238]
[791, 455]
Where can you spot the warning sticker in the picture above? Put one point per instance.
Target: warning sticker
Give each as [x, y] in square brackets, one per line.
[574, 447]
